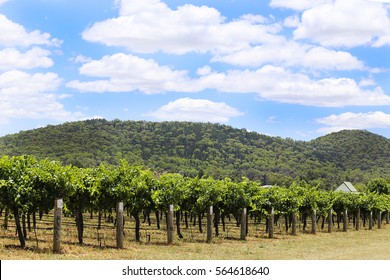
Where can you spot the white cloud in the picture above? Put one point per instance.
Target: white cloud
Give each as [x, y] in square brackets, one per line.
[13, 34]
[344, 23]
[354, 121]
[150, 26]
[277, 84]
[203, 71]
[80, 59]
[187, 109]
[127, 73]
[291, 21]
[367, 83]
[24, 95]
[291, 53]
[11, 58]
[130, 73]
[272, 119]
[322, 58]
[381, 1]
[2, 2]
[297, 4]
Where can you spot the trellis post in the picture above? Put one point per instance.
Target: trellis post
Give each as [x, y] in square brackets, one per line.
[57, 225]
[330, 220]
[379, 219]
[271, 224]
[243, 224]
[345, 220]
[119, 225]
[209, 224]
[357, 221]
[314, 221]
[170, 224]
[371, 221]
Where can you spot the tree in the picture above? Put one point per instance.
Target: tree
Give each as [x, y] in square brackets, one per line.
[379, 186]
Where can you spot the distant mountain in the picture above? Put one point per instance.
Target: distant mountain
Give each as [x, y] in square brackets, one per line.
[197, 149]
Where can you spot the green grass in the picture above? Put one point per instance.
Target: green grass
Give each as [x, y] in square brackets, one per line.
[352, 245]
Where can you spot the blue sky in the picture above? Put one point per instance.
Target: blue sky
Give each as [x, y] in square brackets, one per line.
[297, 69]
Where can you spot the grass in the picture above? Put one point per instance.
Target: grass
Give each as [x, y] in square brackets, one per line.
[352, 245]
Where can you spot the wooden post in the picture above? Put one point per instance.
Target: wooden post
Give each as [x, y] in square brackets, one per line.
[345, 220]
[119, 225]
[210, 224]
[357, 221]
[330, 220]
[57, 226]
[271, 224]
[314, 221]
[170, 224]
[379, 219]
[243, 224]
[371, 221]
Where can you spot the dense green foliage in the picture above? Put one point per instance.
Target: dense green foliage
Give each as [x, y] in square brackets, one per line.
[28, 186]
[220, 151]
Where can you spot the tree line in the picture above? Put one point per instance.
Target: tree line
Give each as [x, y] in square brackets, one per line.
[219, 151]
[28, 187]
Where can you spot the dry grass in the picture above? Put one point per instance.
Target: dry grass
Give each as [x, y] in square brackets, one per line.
[352, 245]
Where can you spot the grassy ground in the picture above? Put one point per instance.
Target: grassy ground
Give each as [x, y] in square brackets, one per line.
[352, 245]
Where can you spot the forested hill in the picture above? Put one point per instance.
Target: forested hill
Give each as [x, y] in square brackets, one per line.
[208, 149]
[354, 149]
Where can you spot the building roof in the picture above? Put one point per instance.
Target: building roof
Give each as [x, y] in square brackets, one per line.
[346, 187]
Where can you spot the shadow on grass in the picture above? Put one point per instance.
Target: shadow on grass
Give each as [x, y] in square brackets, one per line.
[28, 249]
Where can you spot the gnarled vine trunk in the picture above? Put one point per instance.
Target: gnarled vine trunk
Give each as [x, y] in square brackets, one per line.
[80, 225]
[135, 215]
[178, 229]
[19, 228]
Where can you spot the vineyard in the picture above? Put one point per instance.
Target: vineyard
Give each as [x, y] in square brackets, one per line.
[125, 200]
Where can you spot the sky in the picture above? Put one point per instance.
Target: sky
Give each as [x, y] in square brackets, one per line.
[295, 69]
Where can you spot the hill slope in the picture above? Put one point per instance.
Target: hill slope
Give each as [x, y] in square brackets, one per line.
[208, 149]
[354, 149]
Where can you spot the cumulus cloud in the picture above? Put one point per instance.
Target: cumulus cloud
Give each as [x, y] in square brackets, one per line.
[187, 109]
[350, 120]
[29, 95]
[121, 73]
[130, 73]
[11, 58]
[15, 35]
[250, 41]
[291, 54]
[24, 95]
[381, 1]
[343, 23]
[291, 21]
[278, 84]
[297, 5]
[80, 59]
[150, 26]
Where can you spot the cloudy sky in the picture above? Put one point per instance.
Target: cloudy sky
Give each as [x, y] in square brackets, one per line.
[297, 69]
